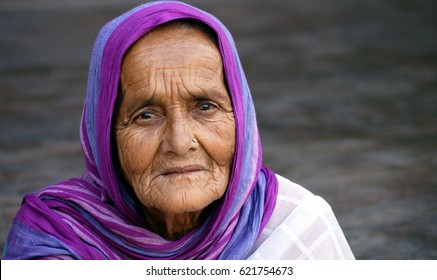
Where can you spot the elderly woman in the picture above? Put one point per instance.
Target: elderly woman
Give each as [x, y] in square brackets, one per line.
[173, 158]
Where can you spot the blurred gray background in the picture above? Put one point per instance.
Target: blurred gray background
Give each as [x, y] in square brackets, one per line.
[345, 91]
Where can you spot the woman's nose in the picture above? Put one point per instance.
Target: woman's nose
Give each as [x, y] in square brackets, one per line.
[179, 137]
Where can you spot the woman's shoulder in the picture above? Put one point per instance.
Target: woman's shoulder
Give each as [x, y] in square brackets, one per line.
[302, 226]
[293, 197]
[291, 190]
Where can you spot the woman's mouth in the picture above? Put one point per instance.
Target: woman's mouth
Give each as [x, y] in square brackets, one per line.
[183, 170]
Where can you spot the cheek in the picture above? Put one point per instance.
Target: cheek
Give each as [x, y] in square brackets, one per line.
[219, 143]
[135, 151]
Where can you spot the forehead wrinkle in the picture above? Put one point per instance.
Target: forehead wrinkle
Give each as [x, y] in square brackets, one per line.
[153, 48]
[151, 58]
[165, 36]
[217, 89]
[141, 68]
[159, 45]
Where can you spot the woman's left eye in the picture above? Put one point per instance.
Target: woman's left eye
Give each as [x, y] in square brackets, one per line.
[204, 106]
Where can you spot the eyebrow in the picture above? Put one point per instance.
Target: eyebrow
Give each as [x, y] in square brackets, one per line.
[132, 105]
[144, 103]
[198, 95]
[212, 94]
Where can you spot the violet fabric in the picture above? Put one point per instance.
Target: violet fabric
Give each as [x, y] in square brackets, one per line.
[96, 216]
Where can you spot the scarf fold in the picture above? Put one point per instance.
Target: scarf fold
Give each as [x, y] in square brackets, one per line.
[96, 217]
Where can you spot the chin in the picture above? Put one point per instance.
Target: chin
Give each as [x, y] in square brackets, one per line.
[176, 206]
[186, 202]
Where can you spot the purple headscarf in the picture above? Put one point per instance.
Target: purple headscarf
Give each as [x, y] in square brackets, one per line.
[96, 216]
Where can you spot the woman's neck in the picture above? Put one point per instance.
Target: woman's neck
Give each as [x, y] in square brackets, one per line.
[172, 226]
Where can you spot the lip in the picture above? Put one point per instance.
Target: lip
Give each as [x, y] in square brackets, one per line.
[182, 170]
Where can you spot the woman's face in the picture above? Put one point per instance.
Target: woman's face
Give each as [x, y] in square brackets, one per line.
[174, 126]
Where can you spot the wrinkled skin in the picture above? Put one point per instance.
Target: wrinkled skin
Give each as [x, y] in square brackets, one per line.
[173, 91]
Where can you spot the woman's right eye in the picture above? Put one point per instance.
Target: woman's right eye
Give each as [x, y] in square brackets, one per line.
[146, 116]
[149, 115]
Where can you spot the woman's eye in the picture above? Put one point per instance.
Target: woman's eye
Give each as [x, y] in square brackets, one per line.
[146, 115]
[204, 106]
